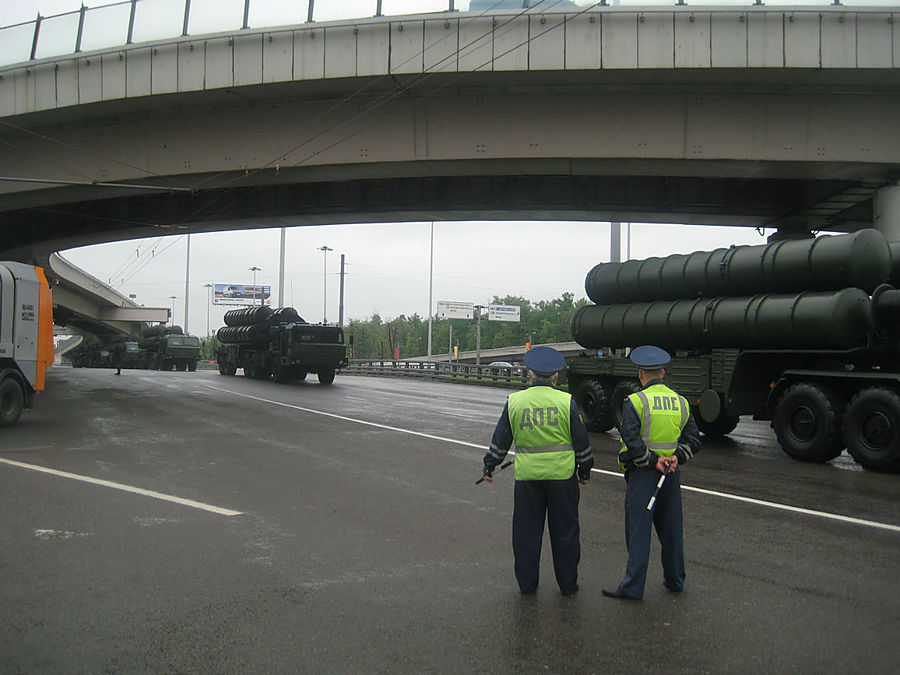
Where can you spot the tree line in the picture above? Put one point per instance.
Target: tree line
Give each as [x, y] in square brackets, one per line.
[540, 322]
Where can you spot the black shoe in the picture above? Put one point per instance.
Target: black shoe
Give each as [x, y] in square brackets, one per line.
[528, 591]
[617, 594]
[673, 589]
[570, 591]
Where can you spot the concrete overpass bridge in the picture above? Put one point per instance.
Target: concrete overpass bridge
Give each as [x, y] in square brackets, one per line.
[757, 116]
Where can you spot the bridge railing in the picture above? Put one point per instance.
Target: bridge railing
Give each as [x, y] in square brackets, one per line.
[502, 376]
[127, 22]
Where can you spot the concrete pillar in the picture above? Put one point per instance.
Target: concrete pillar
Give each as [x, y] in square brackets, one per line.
[887, 212]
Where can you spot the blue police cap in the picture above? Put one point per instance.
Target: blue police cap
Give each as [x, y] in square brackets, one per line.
[648, 356]
[544, 360]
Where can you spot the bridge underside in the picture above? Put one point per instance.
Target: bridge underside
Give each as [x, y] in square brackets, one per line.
[785, 204]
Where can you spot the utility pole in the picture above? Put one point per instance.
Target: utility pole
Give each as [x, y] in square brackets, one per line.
[341, 305]
[478, 309]
[325, 250]
[254, 269]
[430, 286]
[281, 271]
[208, 303]
[187, 282]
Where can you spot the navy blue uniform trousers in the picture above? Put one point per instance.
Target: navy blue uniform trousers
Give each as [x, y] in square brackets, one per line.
[558, 499]
[666, 516]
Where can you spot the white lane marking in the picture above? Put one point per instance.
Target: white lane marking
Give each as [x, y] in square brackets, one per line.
[351, 419]
[125, 488]
[711, 493]
[775, 505]
[46, 535]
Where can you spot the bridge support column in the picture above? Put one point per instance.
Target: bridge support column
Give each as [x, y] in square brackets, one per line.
[887, 212]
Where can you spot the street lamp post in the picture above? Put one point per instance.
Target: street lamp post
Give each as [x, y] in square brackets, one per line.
[325, 250]
[254, 269]
[209, 288]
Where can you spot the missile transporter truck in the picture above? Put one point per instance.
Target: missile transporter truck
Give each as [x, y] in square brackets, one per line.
[26, 337]
[168, 348]
[804, 333]
[280, 344]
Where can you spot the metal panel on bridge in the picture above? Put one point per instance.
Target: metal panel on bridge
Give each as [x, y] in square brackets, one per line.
[190, 66]
[407, 47]
[619, 41]
[278, 57]
[248, 66]
[164, 69]
[309, 54]
[547, 47]
[583, 33]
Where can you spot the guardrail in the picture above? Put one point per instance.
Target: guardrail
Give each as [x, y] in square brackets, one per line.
[494, 376]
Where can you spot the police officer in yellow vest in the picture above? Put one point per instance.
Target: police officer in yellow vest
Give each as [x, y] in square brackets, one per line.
[658, 435]
[552, 446]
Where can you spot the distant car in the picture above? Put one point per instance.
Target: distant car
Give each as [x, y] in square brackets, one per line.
[505, 368]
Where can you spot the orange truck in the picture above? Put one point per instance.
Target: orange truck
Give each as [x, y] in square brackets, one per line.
[26, 337]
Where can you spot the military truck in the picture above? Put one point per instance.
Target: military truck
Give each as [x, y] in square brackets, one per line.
[168, 348]
[280, 344]
[803, 333]
[26, 337]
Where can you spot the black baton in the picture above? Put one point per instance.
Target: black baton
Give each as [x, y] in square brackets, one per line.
[502, 466]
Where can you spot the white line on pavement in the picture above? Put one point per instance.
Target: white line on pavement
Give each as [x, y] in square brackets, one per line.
[125, 488]
[711, 493]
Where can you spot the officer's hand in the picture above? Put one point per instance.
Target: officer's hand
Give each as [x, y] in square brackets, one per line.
[584, 479]
[488, 478]
[673, 464]
[662, 464]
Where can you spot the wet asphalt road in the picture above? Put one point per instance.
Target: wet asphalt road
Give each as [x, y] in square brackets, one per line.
[363, 548]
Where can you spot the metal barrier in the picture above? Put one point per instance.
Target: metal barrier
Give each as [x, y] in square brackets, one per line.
[493, 376]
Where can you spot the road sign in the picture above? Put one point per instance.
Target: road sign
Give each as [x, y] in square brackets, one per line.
[504, 312]
[455, 310]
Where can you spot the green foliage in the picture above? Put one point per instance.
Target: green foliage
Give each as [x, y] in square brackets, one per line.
[208, 348]
[542, 322]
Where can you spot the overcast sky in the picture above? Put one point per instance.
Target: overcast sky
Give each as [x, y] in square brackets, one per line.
[387, 265]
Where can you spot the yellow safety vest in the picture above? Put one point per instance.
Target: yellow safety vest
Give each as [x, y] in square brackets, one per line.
[663, 414]
[539, 417]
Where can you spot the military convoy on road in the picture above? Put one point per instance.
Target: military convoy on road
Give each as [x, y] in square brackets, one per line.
[804, 333]
[280, 344]
[168, 348]
[160, 347]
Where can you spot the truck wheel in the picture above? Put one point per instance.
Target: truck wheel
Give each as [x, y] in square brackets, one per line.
[226, 368]
[301, 375]
[619, 393]
[722, 425]
[192, 366]
[326, 377]
[282, 373]
[872, 429]
[807, 423]
[12, 401]
[592, 396]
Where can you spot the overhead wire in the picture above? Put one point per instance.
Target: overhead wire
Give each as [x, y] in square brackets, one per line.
[417, 79]
[378, 102]
[388, 96]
